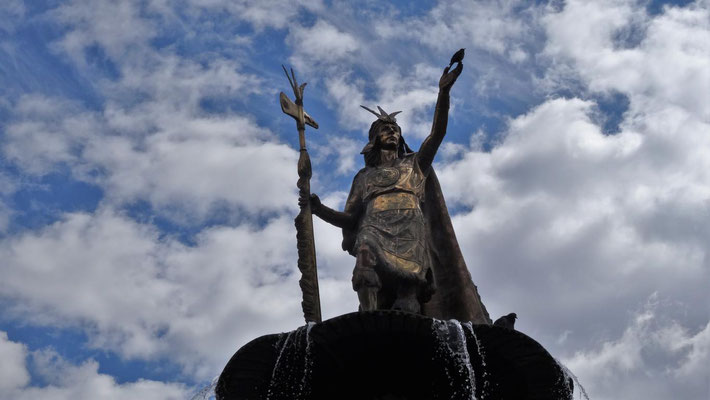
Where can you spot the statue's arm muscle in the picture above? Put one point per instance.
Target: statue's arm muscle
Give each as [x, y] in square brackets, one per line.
[431, 144]
[347, 219]
[333, 217]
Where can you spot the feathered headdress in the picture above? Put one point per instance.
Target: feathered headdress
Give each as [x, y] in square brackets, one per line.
[383, 116]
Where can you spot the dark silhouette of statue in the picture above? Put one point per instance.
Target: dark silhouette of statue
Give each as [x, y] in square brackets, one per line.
[397, 226]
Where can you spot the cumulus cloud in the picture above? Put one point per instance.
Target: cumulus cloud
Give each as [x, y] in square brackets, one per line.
[152, 125]
[69, 381]
[261, 14]
[167, 166]
[153, 139]
[46, 133]
[115, 27]
[14, 372]
[668, 65]
[8, 186]
[495, 26]
[319, 43]
[580, 209]
[652, 358]
[340, 150]
[144, 296]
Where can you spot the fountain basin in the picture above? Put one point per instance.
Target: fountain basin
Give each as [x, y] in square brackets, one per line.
[393, 355]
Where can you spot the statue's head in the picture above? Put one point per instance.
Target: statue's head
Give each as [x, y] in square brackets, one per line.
[384, 134]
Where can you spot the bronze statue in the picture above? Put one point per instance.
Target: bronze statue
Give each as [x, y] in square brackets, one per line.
[397, 226]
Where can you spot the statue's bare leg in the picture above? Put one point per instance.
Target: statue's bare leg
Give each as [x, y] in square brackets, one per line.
[365, 280]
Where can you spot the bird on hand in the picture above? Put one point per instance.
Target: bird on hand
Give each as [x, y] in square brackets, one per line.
[507, 321]
[457, 57]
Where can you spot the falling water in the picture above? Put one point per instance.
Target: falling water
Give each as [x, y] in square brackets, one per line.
[282, 344]
[479, 350]
[307, 363]
[290, 378]
[207, 392]
[452, 344]
[570, 376]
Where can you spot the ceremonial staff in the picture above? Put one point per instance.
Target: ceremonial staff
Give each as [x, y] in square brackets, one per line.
[304, 220]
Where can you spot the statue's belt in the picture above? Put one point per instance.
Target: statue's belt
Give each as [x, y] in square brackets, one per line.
[395, 201]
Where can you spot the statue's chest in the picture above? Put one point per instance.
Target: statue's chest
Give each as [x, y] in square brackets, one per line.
[404, 175]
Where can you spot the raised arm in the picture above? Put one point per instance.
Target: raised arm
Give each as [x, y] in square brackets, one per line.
[441, 118]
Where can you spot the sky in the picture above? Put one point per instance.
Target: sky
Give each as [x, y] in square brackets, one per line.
[147, 179]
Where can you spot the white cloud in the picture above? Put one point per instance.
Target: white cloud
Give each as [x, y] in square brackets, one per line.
[153, 139]
[47, 133]
[569, 207]
[67, 381]
[340, 150]
[116, 27]
[168, 83]
[13, 373]
[148, 297]
[652, 359]
[260, 13]
[667, 67]
[320, 43]
[168, 166]
[8, 186]
[500, 27]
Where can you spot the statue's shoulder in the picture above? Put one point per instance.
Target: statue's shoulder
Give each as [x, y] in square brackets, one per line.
[361, 174]
[409, 157]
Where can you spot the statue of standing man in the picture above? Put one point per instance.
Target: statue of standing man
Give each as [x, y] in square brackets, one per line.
[397, 226]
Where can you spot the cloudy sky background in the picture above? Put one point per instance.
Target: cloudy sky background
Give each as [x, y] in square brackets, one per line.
[147, 179]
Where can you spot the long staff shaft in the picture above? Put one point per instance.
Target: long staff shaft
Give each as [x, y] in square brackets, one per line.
[305, 241]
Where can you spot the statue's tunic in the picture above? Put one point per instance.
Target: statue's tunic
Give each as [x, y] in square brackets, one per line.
[392, 224]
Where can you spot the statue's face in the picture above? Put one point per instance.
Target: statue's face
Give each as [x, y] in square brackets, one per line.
[389, 136]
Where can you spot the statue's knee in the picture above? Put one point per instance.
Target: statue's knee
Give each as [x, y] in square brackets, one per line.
[364, 274]
[365, 256]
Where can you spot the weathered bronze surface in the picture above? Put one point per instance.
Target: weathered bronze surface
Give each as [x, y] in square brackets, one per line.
[304, 221]
[397, 226]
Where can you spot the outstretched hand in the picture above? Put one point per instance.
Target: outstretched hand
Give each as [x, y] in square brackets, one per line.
[449, 77]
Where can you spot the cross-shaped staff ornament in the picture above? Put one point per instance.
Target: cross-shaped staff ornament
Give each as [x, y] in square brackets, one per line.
[304, 220]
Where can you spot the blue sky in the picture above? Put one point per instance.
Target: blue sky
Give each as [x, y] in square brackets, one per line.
[147, 179]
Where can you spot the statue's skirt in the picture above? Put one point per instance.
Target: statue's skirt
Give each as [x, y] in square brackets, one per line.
[393, 355]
